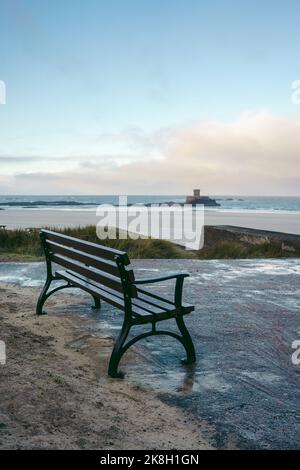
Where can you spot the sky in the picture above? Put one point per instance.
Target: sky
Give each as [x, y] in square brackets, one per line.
[149, 97]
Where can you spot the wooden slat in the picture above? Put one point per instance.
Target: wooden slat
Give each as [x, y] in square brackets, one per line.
[100, 277]
[154, 296]
[114, 300]
[140, 315]
[109, 297]
[139, 306]
[160, 302]
[152, 306]
[143, 305]
[88, 247]
[90, 260]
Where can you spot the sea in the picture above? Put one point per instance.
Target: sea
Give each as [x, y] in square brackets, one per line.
[227, 203]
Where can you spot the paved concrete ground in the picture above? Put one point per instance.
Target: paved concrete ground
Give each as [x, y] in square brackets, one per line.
[247, 316]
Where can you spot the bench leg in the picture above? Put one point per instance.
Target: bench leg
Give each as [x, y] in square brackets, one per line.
[120, 347]
[186, 341]
[43, 297]
[97, 303]
[118, 352]
[45, 294]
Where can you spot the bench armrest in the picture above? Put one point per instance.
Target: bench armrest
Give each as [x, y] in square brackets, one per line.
[178, 286]
[166, 277]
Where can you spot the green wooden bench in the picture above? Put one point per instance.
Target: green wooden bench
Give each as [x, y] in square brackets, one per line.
[107, 275]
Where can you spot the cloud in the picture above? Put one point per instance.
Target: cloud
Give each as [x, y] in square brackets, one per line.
[257, 154]
[13, 159]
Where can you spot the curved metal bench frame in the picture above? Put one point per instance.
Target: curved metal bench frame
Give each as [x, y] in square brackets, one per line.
[130, 292]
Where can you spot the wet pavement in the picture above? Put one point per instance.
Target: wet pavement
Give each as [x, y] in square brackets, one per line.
[247, 315]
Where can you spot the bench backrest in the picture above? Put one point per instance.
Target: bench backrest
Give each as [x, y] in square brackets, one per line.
[106, 267]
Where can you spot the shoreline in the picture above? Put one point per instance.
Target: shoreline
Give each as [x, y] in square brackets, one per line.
[37, 218]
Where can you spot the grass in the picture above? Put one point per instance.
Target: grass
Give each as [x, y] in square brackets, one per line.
[22, 245]
[239, 250]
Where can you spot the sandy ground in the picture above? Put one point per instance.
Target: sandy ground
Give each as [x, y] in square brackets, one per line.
[55, 393]
[22, 218]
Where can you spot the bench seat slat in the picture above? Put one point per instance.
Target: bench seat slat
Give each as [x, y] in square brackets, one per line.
[87, 247]
[146, 307]
[154, 296]
[143, 304]
[140, 306]
[148, 318]
[114, 300]
[162, 303]
[86, 285]
[159, 301]
[141, 310]
[90, 260]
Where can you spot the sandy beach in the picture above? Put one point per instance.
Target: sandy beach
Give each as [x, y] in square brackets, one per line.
[23, 218]
[55, 393]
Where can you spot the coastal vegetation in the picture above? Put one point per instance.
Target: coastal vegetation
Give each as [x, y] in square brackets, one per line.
[24, 245]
